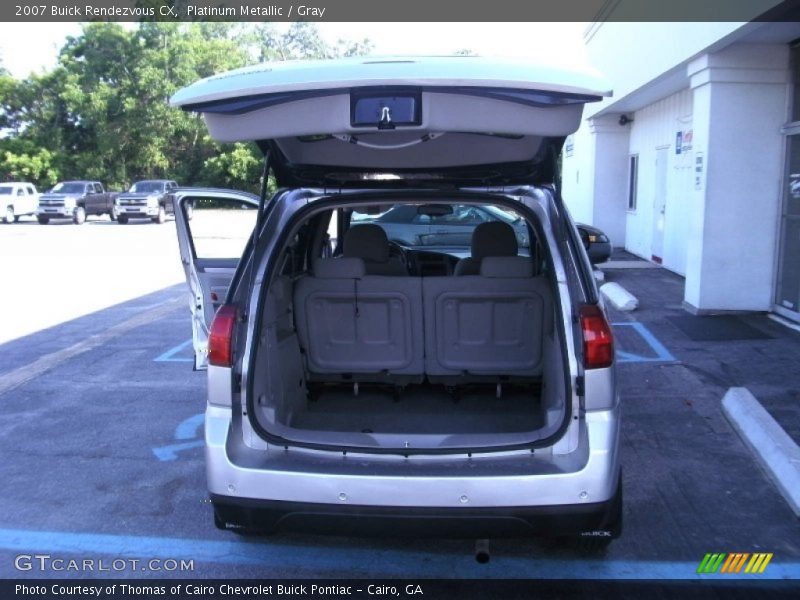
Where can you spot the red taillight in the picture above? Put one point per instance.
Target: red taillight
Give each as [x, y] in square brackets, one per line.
[598, 341]
[220, 338]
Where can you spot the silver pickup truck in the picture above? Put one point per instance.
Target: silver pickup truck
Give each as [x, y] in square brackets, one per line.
[151, 199]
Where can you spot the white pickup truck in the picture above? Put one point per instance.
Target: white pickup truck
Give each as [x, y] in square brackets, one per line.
[18, 198]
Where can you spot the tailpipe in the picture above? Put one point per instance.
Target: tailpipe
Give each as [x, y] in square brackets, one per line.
[482, 554]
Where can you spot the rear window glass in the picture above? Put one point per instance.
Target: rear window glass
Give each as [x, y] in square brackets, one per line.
[450, 225]
[5, 190]
[143, 187]
[69, 188]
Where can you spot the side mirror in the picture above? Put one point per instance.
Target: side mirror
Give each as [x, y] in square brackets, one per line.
[584, 238]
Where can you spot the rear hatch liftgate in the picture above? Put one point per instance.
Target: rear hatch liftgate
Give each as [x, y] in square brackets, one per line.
[458, 121]
[444, 123]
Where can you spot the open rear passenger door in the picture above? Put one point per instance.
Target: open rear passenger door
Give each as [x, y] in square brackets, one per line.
[213, 227]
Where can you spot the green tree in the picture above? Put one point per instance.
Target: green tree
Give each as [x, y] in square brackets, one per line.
[29, 163]
[7, 89]
[35, 126]
[232, 167]
[103, 111]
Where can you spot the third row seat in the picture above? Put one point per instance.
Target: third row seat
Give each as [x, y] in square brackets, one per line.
[353, 325]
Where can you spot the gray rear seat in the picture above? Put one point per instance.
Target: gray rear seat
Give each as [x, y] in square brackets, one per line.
[369, 243]
[357, 326]
[492, 324]
[488, 239]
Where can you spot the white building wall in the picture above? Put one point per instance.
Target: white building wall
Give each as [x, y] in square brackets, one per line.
[594, 176]
[653, 55]
[730, 85]
[632, 55]
[654, 127]
[610, 190]
[740, 103]
[577, 176]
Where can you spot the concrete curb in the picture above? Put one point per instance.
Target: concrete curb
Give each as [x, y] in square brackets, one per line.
[775, 450]
[785, 322]
[628, 264]
[619, 297]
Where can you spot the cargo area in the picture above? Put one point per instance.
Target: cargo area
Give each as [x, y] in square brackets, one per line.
[422, 408]
[364, 347]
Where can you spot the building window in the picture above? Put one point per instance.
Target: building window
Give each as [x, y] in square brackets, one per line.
[633, 180]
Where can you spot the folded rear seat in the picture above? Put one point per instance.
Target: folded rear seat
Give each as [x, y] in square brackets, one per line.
[358, 327]
[487, 326]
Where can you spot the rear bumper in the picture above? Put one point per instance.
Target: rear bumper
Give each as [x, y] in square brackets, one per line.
[601, 519]
[515, 494]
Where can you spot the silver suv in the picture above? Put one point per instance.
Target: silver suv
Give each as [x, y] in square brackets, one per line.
[458, 383]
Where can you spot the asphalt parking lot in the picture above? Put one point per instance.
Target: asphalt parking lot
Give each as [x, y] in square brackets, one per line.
[101, 433]
[69, 271]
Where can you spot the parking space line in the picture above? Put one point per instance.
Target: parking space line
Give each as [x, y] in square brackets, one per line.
[169, 355]
[25, 373]
[323, 557]
[661, 352]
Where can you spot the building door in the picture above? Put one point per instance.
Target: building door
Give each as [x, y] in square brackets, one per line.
[679, 198]
[787, 292]
[659, 205]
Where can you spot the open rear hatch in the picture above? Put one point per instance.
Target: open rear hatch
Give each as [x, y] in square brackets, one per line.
[408, 122]
[450, 120]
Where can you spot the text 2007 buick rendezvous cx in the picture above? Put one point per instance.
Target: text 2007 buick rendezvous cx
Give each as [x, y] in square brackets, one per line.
[461, 382]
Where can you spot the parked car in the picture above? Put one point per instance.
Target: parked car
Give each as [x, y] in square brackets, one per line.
[18, 198]
[404, 225]
[597, 244]
[75, 200]
[146, 199]
[417, 386]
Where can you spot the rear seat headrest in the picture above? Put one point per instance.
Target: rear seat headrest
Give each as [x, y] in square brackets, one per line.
[339, 268]
[507, 266]
[494, 239]
[367, 241]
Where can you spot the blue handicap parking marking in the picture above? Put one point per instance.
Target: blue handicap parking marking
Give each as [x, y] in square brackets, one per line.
[189, 428]
[659, 351]
[170, 452]
[177, 353]
[187, 436]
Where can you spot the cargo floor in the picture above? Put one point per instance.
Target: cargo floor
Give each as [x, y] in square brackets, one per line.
[422, 409]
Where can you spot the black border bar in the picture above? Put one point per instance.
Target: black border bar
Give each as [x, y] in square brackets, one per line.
[400, 10]
[385, 589]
